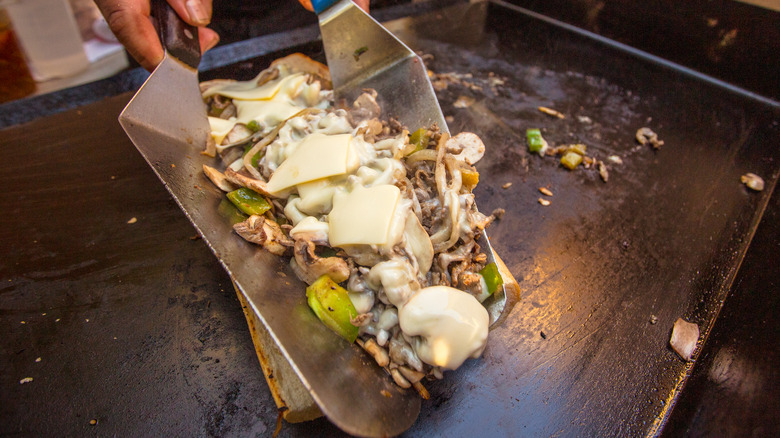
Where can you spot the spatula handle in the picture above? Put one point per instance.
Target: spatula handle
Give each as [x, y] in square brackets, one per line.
[321, 5]
[179, 38]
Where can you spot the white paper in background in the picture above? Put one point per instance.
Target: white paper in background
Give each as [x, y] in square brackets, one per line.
[49, 37]
[97, 49]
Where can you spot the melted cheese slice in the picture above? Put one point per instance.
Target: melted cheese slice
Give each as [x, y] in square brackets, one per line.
[268, 113]
[363, 216]
[317, 156]
[451, 324]
[317, 196]
[220, 128]
[248, 90]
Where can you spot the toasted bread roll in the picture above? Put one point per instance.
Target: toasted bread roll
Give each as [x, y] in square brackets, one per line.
[291, 397]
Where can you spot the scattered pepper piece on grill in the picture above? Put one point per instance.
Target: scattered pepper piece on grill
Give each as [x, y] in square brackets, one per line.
[536, 144]
[571, 160]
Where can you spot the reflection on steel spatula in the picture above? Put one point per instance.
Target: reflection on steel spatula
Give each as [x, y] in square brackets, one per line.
[166, 120]
[170, 101]
[363, 54]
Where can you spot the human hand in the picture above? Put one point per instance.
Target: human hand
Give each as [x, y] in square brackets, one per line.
[130, 22]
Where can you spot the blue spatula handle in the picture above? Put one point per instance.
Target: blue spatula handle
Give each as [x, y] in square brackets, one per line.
[321, 5]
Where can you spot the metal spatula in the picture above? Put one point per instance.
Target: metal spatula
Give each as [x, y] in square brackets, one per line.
[166, 120]
[363, 54]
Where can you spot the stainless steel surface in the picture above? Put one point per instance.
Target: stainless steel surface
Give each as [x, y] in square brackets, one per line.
[173, 84]
[363, 54]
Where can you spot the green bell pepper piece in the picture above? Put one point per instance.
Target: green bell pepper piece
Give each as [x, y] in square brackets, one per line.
[331, 303]
[249, 201]
[253, 126]
[536, 144]
[492, 277]
[420, 139]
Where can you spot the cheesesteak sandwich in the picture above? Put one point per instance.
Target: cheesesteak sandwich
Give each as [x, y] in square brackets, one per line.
[380, 222]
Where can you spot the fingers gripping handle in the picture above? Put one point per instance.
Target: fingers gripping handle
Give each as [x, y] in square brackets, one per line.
[179, 38]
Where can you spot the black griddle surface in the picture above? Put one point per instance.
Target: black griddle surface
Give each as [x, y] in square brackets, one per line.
[138, 328]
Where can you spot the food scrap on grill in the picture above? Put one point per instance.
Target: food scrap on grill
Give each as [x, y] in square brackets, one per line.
[571, 155]
[752, 181]
[551, 112]
[646, 135]
[685, 335]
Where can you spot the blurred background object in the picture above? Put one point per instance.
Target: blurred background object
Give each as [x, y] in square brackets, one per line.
[15, 79]
[66, 42]
[49, 37]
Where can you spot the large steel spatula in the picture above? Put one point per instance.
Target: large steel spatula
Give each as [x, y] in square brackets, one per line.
[166, 120]
[363, 54]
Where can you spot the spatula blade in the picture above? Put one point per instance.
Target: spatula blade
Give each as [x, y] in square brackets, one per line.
[170, 103]
[361, 54]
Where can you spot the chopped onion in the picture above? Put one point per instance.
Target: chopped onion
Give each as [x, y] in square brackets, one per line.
[685, 335]
[753, 181]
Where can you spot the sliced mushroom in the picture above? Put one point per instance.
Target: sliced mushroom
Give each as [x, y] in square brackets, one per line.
[257, 185]
[218, 178]
[267, 75]
[365, 107]
[309, 266]
[300, 63]
[411, 375]
[238, 133]
[402, 353]
[265, 232]
[466, 147]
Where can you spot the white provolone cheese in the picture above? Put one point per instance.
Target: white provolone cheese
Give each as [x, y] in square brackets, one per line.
[452, 325]
[317, 156]
[248, 90]
[317, 196]
[220, 128]
[268, 113]
[311, 229]
[363, 216]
